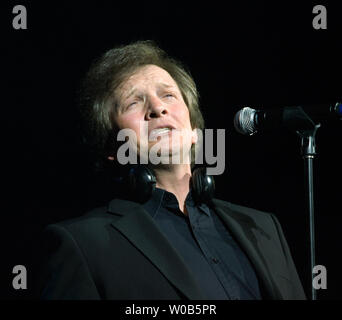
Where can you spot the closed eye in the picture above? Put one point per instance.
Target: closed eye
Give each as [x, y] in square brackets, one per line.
[130, 106]
[169, 95]
[135, 102]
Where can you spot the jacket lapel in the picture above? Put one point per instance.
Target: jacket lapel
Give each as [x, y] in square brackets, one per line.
[241, 229]
[138, 226]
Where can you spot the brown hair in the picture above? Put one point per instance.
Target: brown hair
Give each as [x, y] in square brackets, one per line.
[108, 72]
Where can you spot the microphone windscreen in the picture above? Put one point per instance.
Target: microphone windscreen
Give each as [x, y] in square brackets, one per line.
[244, 121]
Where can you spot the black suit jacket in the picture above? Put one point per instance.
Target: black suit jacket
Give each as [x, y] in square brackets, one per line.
[117, 252]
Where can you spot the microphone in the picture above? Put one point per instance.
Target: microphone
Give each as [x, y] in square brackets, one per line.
[249, 121]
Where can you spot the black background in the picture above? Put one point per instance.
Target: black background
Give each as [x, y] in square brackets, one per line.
[255, 53]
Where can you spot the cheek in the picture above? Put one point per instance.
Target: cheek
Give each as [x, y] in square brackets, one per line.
[129, 121]
[183, 115]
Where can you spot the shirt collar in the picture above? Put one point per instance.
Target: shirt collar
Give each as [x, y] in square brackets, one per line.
[163, 198]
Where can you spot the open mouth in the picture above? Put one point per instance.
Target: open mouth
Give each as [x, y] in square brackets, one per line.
[159, 132]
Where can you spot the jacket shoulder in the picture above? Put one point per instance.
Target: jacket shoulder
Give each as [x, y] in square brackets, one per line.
[90, 223]
[96, 215]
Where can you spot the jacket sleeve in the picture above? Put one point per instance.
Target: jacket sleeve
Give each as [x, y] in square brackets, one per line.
[298, 291]
[63, 273]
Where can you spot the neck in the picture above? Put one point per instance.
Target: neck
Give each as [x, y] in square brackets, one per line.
[175, 179]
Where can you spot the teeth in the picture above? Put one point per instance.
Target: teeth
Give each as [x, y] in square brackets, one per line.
[161, 130]
[158, 132]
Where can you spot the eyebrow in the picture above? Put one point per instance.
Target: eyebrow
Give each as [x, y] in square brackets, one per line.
[162, 84]
[131, 92]
[165, 85]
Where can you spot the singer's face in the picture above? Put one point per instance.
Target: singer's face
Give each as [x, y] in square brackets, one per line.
[151, 104]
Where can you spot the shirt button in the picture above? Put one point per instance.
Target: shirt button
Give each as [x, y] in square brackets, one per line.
[215, 260]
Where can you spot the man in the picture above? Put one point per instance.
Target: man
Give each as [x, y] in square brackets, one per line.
[168, 246]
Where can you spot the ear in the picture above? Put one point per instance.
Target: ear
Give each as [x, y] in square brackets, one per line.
[194, 136]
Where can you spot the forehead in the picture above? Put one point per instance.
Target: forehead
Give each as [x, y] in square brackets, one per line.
[145, 76]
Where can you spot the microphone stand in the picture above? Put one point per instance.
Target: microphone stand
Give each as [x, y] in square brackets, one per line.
[308, 151]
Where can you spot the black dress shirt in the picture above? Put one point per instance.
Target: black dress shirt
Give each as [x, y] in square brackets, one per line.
[218, 264]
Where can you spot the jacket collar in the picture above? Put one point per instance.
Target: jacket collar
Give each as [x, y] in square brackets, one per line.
[248, 235]
[138, 226]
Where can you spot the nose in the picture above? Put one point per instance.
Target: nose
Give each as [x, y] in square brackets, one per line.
[156, 108]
